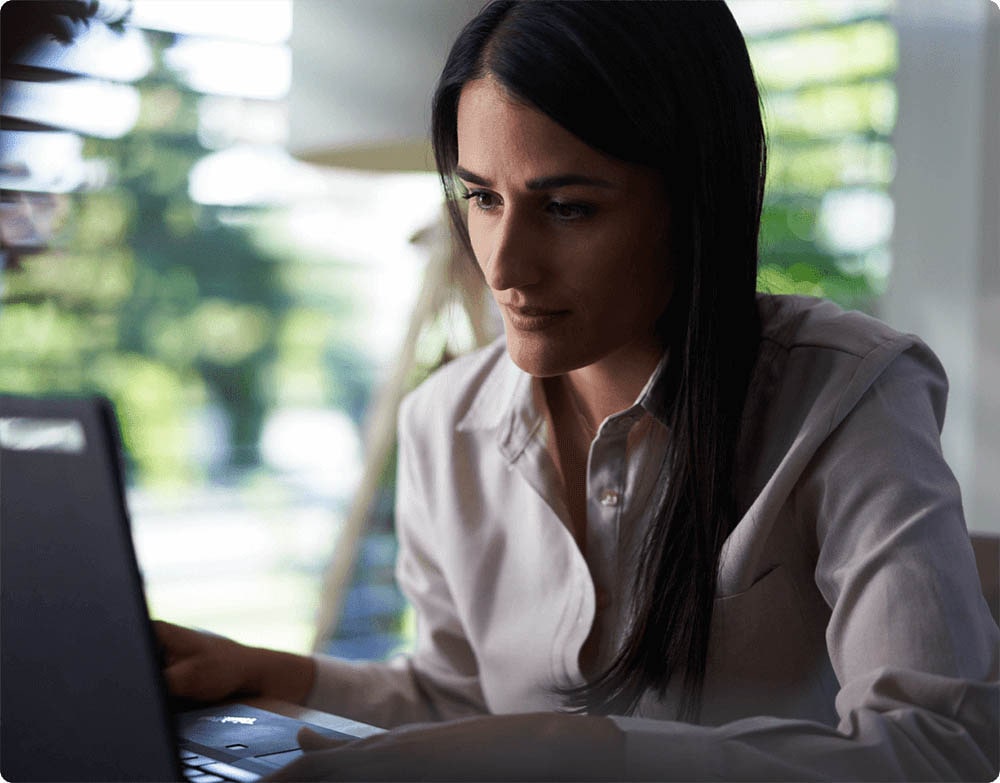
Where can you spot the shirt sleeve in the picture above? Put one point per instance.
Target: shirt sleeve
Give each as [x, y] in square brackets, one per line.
[439, 679]
[910, 637]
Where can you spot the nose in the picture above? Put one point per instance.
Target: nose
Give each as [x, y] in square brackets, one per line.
[509, 257]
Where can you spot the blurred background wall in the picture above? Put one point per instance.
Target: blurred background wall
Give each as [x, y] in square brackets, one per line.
[945, 283]
[223, 216]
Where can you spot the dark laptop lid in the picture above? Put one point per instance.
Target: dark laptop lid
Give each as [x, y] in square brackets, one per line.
[81, 694]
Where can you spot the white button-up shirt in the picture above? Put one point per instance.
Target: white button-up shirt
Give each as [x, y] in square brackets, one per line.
[850, 638]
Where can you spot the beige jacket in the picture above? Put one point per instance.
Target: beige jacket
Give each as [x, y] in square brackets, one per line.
[850, 638]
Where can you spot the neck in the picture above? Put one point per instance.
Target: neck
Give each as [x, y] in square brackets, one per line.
[611, 385]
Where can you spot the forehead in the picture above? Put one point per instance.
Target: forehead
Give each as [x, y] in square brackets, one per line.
[499, 134]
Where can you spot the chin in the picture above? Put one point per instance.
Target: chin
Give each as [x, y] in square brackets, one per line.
[542, 357]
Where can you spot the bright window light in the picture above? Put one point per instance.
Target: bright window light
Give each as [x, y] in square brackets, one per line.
[90, 106]
[97, 51]
[263, 21]
[248, 175]
[857, 220]
[45, 162]
[318, 449]
[232, 67]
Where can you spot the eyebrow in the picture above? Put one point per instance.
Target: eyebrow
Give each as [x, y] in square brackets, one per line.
[540, 183]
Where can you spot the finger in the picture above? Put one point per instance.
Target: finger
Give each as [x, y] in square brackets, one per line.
[189, 678]
[174, 639]
[181, 678]
[312, 740]
[163, 631]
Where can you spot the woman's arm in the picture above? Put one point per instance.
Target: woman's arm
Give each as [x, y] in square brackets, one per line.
[204, 667]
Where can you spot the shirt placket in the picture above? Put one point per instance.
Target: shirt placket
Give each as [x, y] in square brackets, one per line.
[606, 502]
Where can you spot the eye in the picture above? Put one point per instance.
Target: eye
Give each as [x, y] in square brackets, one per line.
[567, 211]
[482, 199]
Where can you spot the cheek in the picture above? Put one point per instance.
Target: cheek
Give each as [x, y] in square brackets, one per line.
[633, 283]
[623, 264]
[477, 238]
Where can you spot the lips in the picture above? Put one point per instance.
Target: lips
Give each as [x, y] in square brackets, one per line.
[533, 319]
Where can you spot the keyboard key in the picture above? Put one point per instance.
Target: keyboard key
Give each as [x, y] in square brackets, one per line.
[201, 777]
[229, 772]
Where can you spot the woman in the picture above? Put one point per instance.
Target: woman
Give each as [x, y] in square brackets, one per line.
[667, 528]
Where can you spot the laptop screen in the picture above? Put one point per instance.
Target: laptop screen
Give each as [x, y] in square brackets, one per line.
[81, 694]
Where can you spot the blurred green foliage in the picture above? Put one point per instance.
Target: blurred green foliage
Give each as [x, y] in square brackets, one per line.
[824, 54]
[830, 108]
[170, 310]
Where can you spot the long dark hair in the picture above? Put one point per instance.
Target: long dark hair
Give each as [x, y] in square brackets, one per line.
[667, 85]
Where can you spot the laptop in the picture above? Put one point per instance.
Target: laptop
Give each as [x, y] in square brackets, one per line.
[82, 695]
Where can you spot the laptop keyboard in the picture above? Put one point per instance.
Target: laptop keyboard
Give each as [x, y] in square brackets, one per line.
[202, 769]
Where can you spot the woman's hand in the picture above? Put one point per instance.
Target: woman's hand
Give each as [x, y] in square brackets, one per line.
[537, 746]
[208, 668]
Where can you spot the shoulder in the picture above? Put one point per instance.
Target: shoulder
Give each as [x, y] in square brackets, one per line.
[835, 383]
[817, 362]
[451, 392]
[814, 341]
[803, 322]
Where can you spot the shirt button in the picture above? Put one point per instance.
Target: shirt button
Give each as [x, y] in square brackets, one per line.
[609, 498]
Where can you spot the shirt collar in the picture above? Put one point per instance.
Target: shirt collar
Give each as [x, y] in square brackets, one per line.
[506, 402]
[653, 396]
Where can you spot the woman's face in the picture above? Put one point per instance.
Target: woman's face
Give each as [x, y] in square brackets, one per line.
[573, 243]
